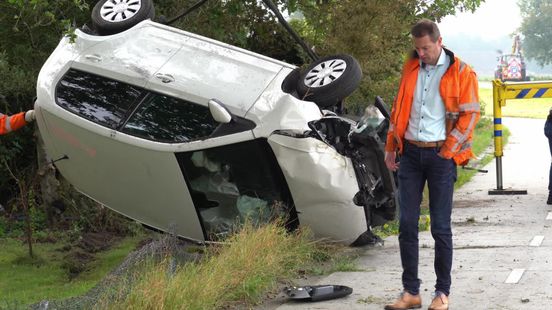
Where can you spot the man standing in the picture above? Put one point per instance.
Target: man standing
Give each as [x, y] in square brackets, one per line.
[16, 121]
[548, 134]
[432, 121]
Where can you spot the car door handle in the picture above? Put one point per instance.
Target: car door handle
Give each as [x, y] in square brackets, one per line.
[165, 78]
[93, 57]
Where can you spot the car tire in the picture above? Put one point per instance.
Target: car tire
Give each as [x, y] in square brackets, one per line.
[329, 80]
[289, 85]
[108, 19]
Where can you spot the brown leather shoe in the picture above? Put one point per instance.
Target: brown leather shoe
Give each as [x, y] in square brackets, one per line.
[406, 301]
[439, 302]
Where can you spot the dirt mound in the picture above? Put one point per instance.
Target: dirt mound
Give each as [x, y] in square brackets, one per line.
[94, 242]
[82, 253]
[76, 261]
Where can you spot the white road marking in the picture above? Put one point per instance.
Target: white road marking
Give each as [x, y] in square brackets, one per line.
[515, 276]
[549, 216]
[537, 241]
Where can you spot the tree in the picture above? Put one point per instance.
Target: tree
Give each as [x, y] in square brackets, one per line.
[29, 31]
[244, 23]
[536, 28]
[436, 10]
[375, 32]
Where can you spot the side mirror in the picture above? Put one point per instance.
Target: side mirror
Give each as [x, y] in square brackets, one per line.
[219, 111]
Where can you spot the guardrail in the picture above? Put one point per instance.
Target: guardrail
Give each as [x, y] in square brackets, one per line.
[503, 91]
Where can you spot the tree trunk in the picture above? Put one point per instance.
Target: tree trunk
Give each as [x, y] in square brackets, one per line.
[25, 203]
[49, 185]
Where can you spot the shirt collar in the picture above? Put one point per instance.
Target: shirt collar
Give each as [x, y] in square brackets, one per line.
[441, 61]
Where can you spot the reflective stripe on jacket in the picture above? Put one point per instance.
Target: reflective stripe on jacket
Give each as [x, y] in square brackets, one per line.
[11, 123]
[460, 93]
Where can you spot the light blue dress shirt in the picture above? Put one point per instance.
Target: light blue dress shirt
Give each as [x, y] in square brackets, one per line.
[427, 116]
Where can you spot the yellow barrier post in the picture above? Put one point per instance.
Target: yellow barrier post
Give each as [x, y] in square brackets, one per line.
[503, 91]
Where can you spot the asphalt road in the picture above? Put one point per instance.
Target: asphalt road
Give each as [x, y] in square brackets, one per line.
[503, 244]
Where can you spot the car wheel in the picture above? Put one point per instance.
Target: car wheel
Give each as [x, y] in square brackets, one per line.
[329, 80]
[114, 16]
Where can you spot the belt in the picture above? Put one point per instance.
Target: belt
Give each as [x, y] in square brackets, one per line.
[426, 144]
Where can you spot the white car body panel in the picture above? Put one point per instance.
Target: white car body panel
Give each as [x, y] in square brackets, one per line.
[130, 179]
[276, 110]
[322, 183]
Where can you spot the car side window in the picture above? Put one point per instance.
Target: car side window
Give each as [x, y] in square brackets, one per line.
[167, 119]
[150, 115]
[96, 98]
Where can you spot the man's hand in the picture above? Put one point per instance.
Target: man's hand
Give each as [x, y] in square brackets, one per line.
[390, 161]
[30, 116]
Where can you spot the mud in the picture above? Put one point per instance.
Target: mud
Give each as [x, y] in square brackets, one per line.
[82, 253]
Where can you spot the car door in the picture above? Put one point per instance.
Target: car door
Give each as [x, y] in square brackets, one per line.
[204, 69]
[133, 56]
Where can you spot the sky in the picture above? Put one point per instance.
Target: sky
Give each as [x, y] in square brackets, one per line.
[494, 18]
[477, 37]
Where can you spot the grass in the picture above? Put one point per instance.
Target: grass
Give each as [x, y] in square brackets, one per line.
[483, 138]
[240, 271]
[25, 281]
[529, 108]
[329, 258]
[533, 78]
[392, 227]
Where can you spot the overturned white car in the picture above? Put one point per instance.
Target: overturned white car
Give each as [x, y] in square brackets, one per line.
[179, 131]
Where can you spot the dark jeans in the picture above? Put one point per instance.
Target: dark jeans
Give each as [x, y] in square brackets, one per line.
[550, 173]
[418, 165]
[548, 134]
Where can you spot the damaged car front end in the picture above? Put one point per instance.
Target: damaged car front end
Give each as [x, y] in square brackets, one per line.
[338, 176]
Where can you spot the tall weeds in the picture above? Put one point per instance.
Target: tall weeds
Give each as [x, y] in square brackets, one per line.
[241, 270]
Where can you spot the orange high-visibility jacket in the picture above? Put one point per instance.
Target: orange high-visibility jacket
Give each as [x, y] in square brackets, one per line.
[11, 123]
[459, 91]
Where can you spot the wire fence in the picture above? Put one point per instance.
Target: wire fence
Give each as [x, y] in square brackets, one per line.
[119, 282]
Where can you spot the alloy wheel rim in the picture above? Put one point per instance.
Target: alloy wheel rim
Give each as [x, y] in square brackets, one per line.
[116, 11]
[325, 73]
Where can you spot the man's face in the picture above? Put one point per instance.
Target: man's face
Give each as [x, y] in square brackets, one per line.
[428, 50]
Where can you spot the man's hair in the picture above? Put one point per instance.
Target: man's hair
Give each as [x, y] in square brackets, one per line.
[426, 27]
